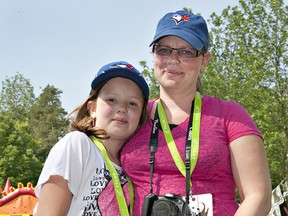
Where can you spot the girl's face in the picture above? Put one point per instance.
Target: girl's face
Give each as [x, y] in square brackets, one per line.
[174, 71]
[118, 108]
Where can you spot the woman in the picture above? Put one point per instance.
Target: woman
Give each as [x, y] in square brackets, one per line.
[229, 153]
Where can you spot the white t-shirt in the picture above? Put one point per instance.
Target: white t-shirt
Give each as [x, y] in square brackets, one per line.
[77, 159]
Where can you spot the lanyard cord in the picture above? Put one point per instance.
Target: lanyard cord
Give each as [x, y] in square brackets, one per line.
[153, 147]
[116, 182]
[190, 156]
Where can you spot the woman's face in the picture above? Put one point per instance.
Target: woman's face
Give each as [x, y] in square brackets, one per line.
[177, 72]
[118, 108]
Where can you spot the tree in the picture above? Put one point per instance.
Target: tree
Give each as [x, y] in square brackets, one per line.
[47, 120]
[149, 76]
[249, 64]
[17, 96]
[18, 159]
[29, 127]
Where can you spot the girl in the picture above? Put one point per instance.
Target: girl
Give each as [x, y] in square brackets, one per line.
[83, 172]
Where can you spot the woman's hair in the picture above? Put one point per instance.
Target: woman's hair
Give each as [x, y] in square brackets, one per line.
[199, 86]
[83, 121]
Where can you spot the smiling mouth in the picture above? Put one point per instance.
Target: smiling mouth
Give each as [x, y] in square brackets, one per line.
[123, 121]
[172, 72]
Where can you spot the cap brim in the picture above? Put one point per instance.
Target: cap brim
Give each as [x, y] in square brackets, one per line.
[118, 72]
[194, 41]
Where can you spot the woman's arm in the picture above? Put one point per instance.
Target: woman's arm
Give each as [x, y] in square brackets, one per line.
[251, 174]
[55, 197]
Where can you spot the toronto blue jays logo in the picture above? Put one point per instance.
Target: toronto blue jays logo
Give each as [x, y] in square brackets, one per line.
[120, 65]
[180, 18]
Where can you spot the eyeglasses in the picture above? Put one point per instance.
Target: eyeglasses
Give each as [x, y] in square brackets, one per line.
[182, 52]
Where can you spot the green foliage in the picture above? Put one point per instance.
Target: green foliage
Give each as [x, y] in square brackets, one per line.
[17, 96]
[249, 65]
[29, 127]
[149, 76]
[47, 120]
[18, 155]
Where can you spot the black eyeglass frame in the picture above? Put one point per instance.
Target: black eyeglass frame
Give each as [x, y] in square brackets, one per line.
[198, 52]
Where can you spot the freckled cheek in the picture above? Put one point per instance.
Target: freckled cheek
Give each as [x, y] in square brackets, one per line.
[159, 63]
[194, 68]
[159, 68]
[135, 116]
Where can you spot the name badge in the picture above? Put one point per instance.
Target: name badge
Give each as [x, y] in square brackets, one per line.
[201, 205]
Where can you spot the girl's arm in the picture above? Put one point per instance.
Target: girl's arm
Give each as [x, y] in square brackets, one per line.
[55, 197]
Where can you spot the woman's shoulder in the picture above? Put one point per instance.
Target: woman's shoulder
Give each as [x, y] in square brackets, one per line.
[229, 110]
[216, 100]
[226, 109]
[151, 102]
[219, 103]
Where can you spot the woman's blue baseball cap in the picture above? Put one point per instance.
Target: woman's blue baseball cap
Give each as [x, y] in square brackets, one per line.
[121, 69]
[188, 26]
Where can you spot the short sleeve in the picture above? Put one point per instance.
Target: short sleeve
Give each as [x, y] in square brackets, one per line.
[238, 122]
[67, 159]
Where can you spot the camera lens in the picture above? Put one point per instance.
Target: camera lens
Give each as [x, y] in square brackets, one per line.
[164, 208]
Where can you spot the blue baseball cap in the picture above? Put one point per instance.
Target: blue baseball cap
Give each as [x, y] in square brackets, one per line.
[188, 26]
[121, 69]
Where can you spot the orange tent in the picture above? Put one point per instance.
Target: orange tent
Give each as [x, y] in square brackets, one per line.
[20, 201]
[7, 185]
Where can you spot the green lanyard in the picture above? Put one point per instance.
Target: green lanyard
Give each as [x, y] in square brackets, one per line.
[195, 135]
[116, 182]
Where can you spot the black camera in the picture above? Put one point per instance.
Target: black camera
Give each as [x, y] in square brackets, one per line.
[164, 205]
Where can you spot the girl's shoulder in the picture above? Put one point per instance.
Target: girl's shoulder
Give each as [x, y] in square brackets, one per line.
[76, 135]
[75, 141]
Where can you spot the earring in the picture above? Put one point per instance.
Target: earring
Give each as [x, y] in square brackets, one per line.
[93, 123]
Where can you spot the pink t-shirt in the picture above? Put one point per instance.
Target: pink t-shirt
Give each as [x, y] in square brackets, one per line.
[221, 123]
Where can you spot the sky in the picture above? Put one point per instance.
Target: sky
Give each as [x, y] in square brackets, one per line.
[64, 42]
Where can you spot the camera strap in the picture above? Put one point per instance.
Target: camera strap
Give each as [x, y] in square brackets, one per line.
[116, 181]
[192, 141]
